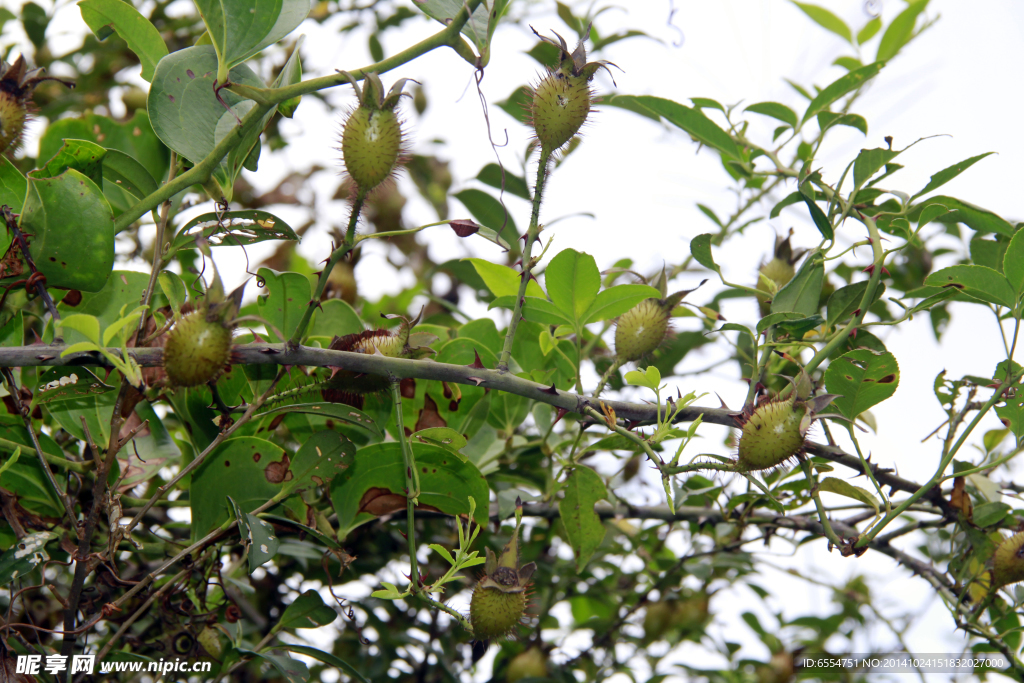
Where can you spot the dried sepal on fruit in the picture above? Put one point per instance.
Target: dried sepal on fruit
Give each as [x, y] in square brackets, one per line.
[372, 140]
[350, 388]
[561, 100]
[17, 83]
[499, 597]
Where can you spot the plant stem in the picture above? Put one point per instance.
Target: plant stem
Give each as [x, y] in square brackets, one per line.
[532, 234]
[822, 515]
[412, 483]
[325, 274]
[616, 364]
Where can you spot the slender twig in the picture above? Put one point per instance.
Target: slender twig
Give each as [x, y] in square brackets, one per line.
[158, 245]
[532, 234]
[412, 484]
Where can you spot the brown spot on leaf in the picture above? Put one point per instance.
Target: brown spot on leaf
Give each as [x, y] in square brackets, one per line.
[227, 463]
[256, 457]
[429, 417]
[888, 379]
[377, 501]
[278, 472]
[72, 298]
[408, 387]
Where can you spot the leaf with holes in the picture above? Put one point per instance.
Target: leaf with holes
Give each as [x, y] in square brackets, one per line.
[861, 379]
[24, 556]
[375, 484]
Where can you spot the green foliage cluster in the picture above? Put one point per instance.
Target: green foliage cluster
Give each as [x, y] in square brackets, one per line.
[348, 436]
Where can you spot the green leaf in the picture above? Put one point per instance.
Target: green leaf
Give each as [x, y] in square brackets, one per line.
[794, 324]
[257, 534]
[13, 187]
[82, 155]
[776, 111]
[86, 325]
[134, 137]
[535, 309]
[945, 175]
[900, 31]
[123, 291]
[1013, 262]
[700, 249]
[615, 301]
[845, 300]
[286, 299]
[375, 484]
[489, 212]
[840, 87]
[151, 452]
[13, 331]
[583, 488]
[143, 39]
[25, 477]
[801, 294]
[249, 470]
[502, 280]
[869, 30]
[174, 290]
[974, 217]
[335, 317]
[573, 280]
[861, 379]
[515, 185]
[445, 437]
[979, 282]
[821, 221]
[649, 377]
[693, 121]
[826, 20]
[240, 28]
[35, 22]
[827, 119]
[788, 200]
[480, 27]
[290, 74]
[326, 658]
[331, 411]
[1012, 414]
[73, 228]
[990, 514]
[319, 459]
[27, 554]
[127, 173]
[67, 383]
[292, 670]
[845, 488]
[185, 113]
[869, 162]
[234, 228]
[848, 63]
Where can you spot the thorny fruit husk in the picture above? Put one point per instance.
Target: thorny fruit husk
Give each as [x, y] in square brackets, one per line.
[17, 82]
[372, 140]
[532, 663]
[499, 598]
[350, 388]
[560, 102]
[1008, 561]
[772, 430]
[198, 347]
[196, 350]
[641, 329]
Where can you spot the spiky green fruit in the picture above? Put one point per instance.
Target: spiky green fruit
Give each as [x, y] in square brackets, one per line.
[499, 598]
[17, 82]
[372, 137]
[1008, 561]
[493, 612]
[370, 145]
[560, 102]
[772, 433]
[532, 663]
[641, 329]
[197, 349]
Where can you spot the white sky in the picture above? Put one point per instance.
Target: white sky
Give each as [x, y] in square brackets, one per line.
[960, 78]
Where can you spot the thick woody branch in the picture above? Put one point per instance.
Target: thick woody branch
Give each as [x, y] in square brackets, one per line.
[401, 368]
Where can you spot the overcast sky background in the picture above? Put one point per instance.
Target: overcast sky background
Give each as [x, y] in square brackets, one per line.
[641, 181]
